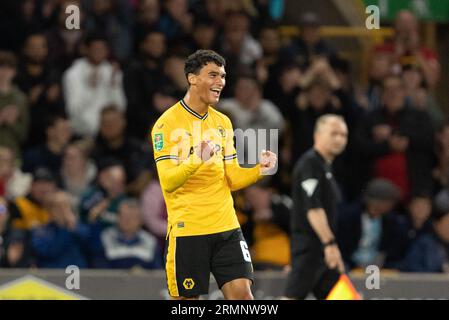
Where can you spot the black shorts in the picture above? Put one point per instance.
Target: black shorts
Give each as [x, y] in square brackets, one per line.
[189, 260]
[309, 273]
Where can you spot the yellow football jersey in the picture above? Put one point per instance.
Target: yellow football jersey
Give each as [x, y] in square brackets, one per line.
[197, 193]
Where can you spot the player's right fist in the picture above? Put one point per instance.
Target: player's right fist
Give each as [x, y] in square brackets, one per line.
[205, 150]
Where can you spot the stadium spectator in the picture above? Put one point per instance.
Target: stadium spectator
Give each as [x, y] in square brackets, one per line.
[99, 203]
[238, 45]
[127, 245]
[90, 84]
[204, 35]
[154, 210]
[164, 96]
[440, 172]
[18, 252]
[20, 19]
[418, 95]
[396, 142]
[408, 227]
[289, 82]
[406, 48]
[114, 18]
[365, 227]
[77, 170]
[62, 241]
[13, 182]
[380, 66]
[321, 95]
[147, 18]
[173, 76]
[215, 10]
[112, 143]
[320, 68]
[267, 226]
[14, 111]
[140, 81]
[29, 212]
[309, 45]
[269, 10]
[269, 66]
[4, 217]
[49, 154]
[429, 251]
[64, 44]
[37, 78]
[14, 247]
[176, 21]
[248, 110]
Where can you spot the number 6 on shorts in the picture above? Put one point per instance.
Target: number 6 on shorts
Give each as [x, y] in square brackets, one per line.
[245, 251]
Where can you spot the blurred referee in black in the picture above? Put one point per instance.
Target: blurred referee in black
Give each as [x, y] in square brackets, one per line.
[316, 259]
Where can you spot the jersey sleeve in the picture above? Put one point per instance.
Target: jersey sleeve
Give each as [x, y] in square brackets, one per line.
[172, 172]
[308, 186]
[165, 144]
[237, 177]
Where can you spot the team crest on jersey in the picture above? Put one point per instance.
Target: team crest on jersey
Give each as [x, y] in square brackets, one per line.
[221, 131]
[158, 141]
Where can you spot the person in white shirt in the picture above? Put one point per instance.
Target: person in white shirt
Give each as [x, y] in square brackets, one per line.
[90, 84]
[238, 41]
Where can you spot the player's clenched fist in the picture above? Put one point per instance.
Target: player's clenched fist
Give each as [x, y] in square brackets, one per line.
[267, 162]
[205, 150]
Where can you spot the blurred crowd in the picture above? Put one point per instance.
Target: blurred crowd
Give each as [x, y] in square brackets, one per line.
[77, 180]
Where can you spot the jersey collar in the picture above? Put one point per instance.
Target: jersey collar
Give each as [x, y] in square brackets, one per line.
[321, 158]
[192, 112]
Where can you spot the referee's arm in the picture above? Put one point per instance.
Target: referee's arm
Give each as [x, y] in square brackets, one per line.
[311, 192]
[318, 220]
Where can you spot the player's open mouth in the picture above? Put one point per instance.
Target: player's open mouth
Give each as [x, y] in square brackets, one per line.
[216, 92]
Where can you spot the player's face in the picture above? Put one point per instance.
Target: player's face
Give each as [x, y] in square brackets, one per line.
[210, 82]
[335, 136]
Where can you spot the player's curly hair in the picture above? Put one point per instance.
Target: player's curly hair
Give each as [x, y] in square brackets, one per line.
[199, 59]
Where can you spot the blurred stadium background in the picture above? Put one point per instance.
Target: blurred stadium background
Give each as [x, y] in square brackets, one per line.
[77, 180]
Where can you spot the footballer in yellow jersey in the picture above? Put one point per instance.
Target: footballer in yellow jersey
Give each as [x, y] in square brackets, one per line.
[198, 169]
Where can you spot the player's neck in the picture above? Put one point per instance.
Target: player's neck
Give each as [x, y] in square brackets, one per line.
[195, 103]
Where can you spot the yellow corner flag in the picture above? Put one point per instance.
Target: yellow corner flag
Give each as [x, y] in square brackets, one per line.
[343, 290]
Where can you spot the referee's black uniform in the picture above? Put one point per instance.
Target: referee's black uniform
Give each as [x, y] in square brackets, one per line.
[314, 187]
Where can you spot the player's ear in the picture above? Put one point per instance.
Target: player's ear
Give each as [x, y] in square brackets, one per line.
[192, 78]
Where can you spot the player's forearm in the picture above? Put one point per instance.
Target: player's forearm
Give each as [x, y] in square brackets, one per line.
[239, 178]
[172, 177]
[318, 220]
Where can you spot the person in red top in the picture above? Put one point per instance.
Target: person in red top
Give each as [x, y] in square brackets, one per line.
[395, 141]
[406, 48]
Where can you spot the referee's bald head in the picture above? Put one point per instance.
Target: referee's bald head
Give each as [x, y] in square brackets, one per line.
[331, 135]
[325, 119]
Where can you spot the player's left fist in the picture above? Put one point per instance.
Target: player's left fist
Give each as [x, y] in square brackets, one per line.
[267, 162]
